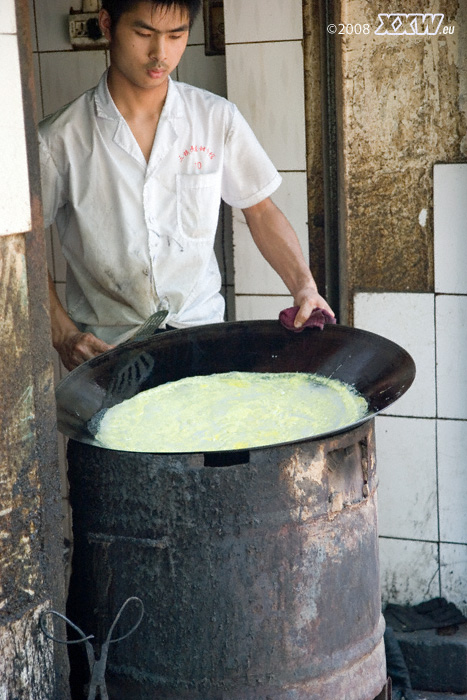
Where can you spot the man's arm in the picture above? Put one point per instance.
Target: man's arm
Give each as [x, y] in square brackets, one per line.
[279, 245]
[73, 346]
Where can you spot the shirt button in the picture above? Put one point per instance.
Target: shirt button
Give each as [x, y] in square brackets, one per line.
[146, 271]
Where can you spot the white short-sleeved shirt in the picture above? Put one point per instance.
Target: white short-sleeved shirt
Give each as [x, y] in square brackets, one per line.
[139, 236]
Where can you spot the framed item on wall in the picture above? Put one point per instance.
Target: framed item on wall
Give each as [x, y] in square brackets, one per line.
[214, 35]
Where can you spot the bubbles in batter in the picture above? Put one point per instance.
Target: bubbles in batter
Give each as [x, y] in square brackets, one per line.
[230, 411]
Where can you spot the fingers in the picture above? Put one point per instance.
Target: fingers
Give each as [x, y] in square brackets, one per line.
[325, 306]
[80, 347]
[303, 313]
[89, 346]
[308, 302]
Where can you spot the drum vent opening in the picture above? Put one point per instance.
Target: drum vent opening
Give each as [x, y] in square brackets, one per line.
[226, 459]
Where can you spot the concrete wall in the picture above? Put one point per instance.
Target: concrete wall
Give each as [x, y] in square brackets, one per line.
[399, 114]
[31, 571]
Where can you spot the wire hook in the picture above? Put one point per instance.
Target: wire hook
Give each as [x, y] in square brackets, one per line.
[96, 666]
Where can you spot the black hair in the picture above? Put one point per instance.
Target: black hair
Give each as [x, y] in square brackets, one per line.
[116, 8]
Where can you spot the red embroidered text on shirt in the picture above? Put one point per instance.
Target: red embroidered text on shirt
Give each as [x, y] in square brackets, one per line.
[196, 149]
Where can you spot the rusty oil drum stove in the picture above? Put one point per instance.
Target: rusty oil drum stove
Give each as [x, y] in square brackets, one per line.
[258, 569]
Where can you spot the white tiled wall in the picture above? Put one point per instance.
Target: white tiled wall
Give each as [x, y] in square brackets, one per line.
[453, 564]
[450, 187]
[451, 332]
[409, 320]
[273, 105]
[422, 439]
[409, 570]
[260, 306]
[452, 462]
[15, 210]
[263, 20]
[8, 20]
[265, 79]
[450, 218]
[406, 450]
[291, 197]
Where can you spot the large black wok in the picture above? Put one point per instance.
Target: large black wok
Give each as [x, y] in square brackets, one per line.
[378, 368]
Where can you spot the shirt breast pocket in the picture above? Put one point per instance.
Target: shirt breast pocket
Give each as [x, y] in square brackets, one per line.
[198, 200]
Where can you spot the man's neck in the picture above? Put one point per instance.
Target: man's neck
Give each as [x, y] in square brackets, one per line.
[140, 107]
[134, 102]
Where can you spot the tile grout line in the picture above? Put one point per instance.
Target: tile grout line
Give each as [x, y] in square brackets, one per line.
[264, 41]
[411, 539]
[437, 443]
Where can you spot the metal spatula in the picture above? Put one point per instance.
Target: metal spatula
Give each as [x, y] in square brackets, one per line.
[149, 326]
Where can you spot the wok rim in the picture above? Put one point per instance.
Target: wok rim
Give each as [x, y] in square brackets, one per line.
[74, 376]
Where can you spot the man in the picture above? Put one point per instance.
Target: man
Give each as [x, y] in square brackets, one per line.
[133, 172]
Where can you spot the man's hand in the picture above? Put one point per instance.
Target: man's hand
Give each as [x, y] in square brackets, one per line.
[73, 346]
[309, 299]
[79, 347]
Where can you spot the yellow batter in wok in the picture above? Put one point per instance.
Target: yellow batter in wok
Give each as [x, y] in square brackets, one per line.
[235, 410]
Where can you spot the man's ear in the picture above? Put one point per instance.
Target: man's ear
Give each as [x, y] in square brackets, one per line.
[105, 23]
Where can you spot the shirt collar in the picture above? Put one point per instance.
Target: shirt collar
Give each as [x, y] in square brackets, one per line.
[105, 106]
[107, 109]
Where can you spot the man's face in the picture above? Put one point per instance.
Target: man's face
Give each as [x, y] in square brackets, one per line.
[147, 43]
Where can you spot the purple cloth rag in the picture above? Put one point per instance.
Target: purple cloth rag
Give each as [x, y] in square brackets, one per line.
[317, 319]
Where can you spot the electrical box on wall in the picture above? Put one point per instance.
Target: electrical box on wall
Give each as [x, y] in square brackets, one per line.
[214, 30]
[84, 30]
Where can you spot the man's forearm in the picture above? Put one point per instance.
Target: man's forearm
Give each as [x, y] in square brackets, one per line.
[279, 245]
[61, 324]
